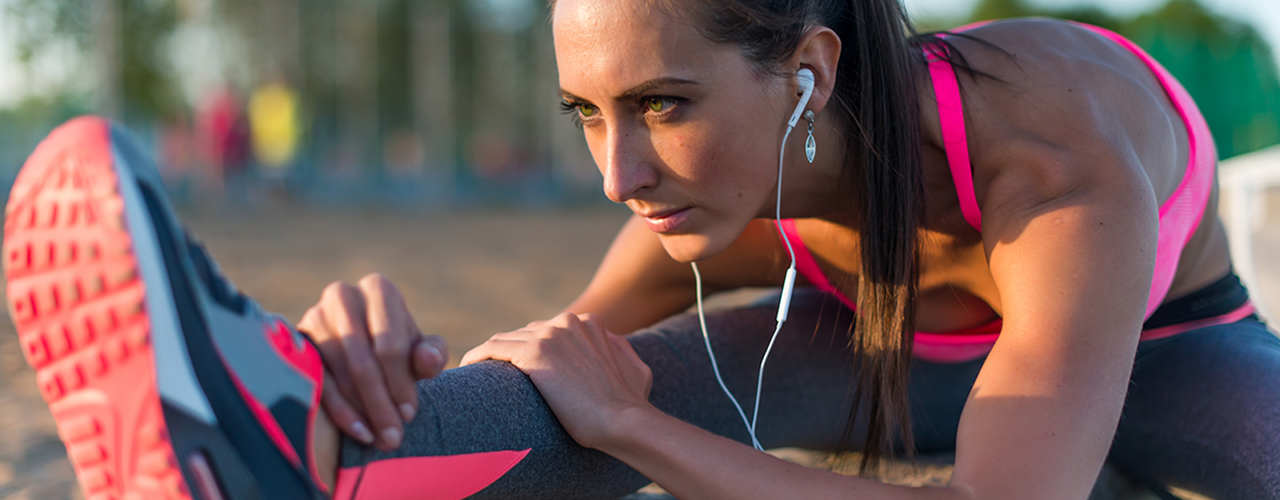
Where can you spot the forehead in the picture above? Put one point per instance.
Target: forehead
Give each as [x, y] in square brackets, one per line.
[609, 45]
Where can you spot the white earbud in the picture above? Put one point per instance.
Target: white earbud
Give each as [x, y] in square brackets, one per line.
[805, 78]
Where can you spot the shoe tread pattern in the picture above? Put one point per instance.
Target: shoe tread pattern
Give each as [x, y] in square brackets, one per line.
[77, 301]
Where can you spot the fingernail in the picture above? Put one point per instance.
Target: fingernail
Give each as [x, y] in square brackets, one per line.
[362, 433]
[435, 353]
[406, 411]
[392, 436]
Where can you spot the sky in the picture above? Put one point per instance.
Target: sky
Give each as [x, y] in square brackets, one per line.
[1264, 14]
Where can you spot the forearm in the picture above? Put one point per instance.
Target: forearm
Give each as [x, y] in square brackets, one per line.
[692, 463]
[638, 284]
[625, 311]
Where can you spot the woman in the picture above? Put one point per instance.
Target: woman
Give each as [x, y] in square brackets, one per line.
[1028, 243]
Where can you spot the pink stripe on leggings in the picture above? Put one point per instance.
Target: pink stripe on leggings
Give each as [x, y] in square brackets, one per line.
[451, 477]
[1238, 314]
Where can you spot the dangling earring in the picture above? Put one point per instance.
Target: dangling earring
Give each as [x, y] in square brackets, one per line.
[810, 146]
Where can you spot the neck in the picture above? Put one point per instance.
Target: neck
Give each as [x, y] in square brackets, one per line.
[818, 189]
[823, 189]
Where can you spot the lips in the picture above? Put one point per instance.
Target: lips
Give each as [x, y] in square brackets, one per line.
[666, 221]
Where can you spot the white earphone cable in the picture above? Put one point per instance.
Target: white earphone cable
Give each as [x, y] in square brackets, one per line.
[783, 305]
[714, 367]
[782, 155]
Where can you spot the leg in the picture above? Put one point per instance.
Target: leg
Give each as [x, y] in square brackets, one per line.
[808, 379]
[1203, 412]
[492, 407]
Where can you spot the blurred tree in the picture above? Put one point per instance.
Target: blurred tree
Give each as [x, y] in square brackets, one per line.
[145, 82]
[354, 66]
[1225, 64]
[1001, 9]
[1092, 15]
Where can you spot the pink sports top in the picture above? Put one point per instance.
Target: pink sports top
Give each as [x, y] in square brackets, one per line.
[1179, 215]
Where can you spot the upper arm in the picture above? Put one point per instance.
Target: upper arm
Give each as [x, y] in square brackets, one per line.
[638, 283]
[1071, 238]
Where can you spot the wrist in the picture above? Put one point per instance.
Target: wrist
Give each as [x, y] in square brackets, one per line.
[627, 425]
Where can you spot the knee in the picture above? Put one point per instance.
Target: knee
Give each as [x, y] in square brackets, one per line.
[487, 379]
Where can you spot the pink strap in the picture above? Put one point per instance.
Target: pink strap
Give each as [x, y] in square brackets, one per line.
[959, 346]
[1180, 215]
[954, 140]
[451, 477]
[952, 352]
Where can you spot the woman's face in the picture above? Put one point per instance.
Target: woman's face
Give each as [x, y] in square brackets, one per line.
[685, 132]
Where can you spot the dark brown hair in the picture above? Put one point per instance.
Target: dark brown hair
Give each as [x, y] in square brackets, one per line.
[875, 103]
[877, 109]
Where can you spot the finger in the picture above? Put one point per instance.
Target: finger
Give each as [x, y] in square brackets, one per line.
[594, 328]
[476, 354]
[349, 323]
[315, 324]
[311, 321]
[565, 326]
[334, 357]
[497, 349]
[393, 334]
[343, 414]
[591, 320]
[430, 356]
[562, 320]
[479, 352]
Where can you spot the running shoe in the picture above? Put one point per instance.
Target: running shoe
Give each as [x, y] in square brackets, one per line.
[166, 383]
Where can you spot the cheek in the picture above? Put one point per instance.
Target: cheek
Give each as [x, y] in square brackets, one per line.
[733, 159]
[693, 155]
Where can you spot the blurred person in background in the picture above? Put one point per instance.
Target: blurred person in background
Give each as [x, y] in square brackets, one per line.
[1006, 249]
[223, 137]
[176, 148]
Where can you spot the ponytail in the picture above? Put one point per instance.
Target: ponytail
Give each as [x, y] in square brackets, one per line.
[876, 90]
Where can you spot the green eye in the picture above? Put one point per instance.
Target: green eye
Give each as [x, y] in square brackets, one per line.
[587, 111]
[657, 105]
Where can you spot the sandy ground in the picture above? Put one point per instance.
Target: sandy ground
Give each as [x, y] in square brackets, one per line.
[465, 276]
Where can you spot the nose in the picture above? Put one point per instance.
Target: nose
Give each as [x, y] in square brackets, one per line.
[627, 167]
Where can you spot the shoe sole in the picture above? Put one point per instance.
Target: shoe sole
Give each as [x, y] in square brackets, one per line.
[107, 313]
[78, 302]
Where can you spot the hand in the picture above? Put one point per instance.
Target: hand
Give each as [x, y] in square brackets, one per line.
[375, 355]
[586, 374]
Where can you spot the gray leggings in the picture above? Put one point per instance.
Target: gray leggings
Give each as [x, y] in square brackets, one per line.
[1202, 413]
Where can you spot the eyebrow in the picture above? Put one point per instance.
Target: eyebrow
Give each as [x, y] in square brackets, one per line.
[636, 91]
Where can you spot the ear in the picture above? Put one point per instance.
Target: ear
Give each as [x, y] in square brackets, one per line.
[818, 50]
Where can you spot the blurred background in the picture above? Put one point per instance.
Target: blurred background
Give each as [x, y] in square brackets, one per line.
[362, 101]
[308, 141]
[449, 102]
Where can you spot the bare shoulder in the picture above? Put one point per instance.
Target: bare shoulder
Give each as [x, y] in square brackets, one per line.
[1063, 109]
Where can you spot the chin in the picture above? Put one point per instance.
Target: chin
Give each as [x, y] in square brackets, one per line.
[693, 247]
